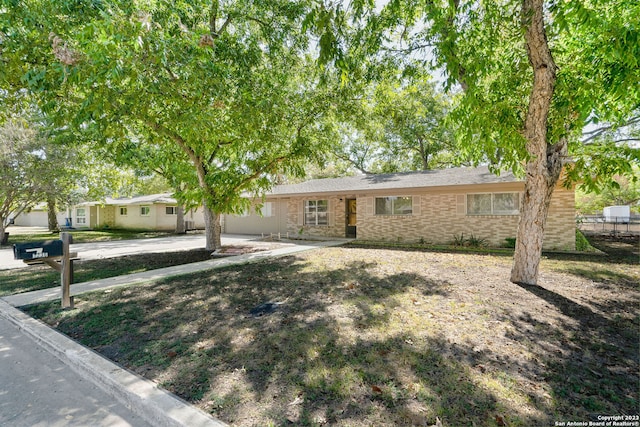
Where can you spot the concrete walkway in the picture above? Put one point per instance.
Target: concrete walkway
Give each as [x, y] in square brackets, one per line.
[37, 361]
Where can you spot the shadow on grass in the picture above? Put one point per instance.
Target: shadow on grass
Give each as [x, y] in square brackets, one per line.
[591, 360]
[339, 349]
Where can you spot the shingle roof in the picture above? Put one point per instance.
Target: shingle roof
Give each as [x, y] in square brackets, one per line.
[408, 180]
[138, 200]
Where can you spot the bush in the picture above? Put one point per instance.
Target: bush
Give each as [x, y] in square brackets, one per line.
[476, 242]
[458, 240]
[473, 241]
[510, 242]
[582, 244]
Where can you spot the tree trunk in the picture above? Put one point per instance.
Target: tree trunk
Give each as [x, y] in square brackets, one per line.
[180, 226]
[545, 164]
[212, 228]
[52, 218]
[2, 229]
[533, 216]
[424, 155]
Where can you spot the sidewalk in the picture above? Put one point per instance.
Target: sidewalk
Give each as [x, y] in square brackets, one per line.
[47, 379]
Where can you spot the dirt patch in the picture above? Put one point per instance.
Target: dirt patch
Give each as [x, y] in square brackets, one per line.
[381, 337]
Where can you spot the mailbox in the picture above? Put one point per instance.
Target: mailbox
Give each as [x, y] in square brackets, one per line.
[37, 250]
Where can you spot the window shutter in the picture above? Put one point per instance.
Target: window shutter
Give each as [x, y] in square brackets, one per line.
[331, 218]
[460, 208]
[368, 205]
[416, 208]
[301, 212]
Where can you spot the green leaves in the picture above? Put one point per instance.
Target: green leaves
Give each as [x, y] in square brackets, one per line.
[233, 106]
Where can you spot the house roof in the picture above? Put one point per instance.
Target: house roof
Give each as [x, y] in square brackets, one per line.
[408, 180]
[395, 181]
[139, 200]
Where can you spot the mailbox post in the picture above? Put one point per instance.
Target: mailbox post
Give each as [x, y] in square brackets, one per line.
[54, 253]
[66, 271]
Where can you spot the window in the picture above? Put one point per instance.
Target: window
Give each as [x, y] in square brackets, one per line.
[394, 205]
[171, 210]
[81, 216]
[493, 204]
[267, 209]
[144, 210]
[123, 211]
[316, 212]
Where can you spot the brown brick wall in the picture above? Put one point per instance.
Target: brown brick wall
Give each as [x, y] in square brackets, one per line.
[560, 231]
[437, 217]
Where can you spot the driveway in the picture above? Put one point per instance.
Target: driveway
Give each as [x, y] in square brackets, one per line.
[116, 248]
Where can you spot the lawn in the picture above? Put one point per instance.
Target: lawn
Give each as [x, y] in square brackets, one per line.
[85, 236]
[37, 277]
[385, 337]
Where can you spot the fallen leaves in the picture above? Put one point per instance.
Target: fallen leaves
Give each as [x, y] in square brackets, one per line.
[501, 421]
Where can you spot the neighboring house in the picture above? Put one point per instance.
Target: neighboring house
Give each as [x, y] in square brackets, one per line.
[430, 206]
[153, 212]
[37, 217]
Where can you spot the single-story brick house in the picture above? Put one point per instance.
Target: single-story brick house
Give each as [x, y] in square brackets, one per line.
[431, 206]
[151, 212]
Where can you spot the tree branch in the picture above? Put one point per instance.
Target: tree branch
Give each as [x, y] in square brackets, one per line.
[213, 17]
[223, 27]
[215, 151]
[182, 143]
[259, 21]
[596, 133]
[172, 75]
[355, 163]
[625, 140]
[408, 49]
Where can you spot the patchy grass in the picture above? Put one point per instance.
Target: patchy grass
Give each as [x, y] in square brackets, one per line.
[381, 337]
[86, 236]
[37, 277]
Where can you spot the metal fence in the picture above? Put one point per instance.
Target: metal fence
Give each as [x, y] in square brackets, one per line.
[610, 225]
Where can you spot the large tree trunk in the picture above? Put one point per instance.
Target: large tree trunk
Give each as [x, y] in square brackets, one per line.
[52, 218]
[545, 164]
[180, 226]
[212, 228]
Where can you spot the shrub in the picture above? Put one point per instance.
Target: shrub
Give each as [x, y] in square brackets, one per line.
[582, 244]
[458, 240]
[473, 241]
[510, 242]
[476, 242]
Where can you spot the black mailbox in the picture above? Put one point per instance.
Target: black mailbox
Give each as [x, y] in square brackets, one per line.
[37, 250]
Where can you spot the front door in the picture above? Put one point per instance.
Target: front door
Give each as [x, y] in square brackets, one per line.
[351, 218]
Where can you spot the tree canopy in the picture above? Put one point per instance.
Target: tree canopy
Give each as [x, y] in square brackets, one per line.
[398, 125]
[228, 84]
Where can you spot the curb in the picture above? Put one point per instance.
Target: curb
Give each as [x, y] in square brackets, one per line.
[154, 405]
